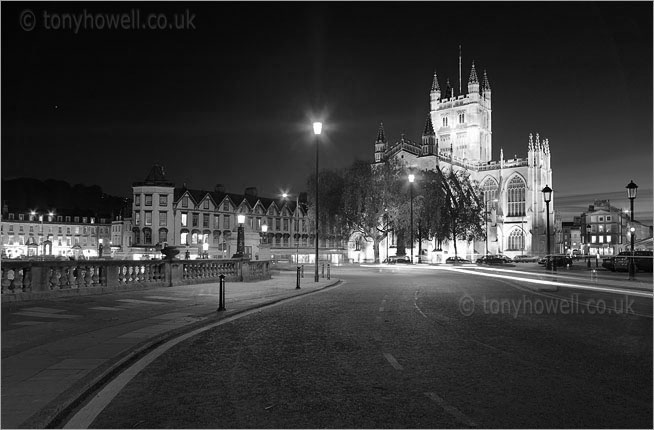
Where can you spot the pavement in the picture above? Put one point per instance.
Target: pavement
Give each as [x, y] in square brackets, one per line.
[55, 352]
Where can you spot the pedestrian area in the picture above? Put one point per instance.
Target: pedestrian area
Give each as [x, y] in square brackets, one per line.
[55, 350]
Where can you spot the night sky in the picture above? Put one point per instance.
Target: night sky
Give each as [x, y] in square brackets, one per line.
[231, 101]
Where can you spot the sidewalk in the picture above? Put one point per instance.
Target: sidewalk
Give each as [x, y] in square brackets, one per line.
[56, 350]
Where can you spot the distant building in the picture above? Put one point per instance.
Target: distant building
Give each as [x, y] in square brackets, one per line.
[458, 136]
[572, 237]
[200, 221]
[606, 229]
[34, 234]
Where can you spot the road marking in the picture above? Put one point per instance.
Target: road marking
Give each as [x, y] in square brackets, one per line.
[393, 361]
[42, 315]
[87, 414]
[145, 302]
[105, 308]
[29, 323]
[419, 310]
[167, 298]
[45, 310]
[457, 414]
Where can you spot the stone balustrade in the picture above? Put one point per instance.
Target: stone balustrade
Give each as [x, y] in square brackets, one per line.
[34, 279]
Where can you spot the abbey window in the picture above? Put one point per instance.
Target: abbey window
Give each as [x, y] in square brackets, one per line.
[516, 197]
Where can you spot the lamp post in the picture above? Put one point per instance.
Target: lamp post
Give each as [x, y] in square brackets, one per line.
[317, 129]
[264, 230]
[412, 178]
[386, 213]
[547, 195]
[631, 194]
[205, 248]
[240, 237]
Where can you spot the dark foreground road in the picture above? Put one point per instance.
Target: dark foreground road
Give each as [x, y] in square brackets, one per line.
[408, 348]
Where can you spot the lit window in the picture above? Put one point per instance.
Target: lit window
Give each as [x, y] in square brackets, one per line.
[608, 239]
[516, 196]
[600, 239]
[184, 238]
[137, 218]
[593, 239]
[148, 218]
[184, 220]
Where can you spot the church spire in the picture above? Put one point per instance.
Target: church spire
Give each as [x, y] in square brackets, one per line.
[434, 84]
[381, 136]
[473, 82]
[429, 128]
[485, 85]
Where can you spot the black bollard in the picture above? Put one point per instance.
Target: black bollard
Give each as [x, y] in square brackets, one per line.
[297, 284]
[302, 271]
[329, 271]
[221, 294]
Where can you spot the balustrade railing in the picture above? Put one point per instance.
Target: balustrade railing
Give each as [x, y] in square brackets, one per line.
[32, 276]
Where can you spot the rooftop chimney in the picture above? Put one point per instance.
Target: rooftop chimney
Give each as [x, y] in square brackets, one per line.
[219, 188]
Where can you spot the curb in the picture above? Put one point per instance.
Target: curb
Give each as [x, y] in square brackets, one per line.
[54, 414]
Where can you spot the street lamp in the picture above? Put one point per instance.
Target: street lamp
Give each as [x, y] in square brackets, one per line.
[264, 230]
[386, 213]
[412, 178]
[205, 248]
[317, 129]
[240, 238]
[631, 194]
[547, 195]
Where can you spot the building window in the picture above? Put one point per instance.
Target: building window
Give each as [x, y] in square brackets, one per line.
[163, 200]
[11, 217]
[608, 239]
[137, 199]
[76, 219]
[184, 219]
[163, 218]
[444, 121]
[462, 118]
[516, 196]
[194, 238]
[593, 239]
[600, 239]
[67, 219]
[185, 201]
[226, 206]
[196, 219]
[226, 222]
[206, 204]
[285, 224]
[600, 228]
[516, 240]
[84, 220]
[148, 199]
[205, 219]
[163, 235]
[489, 190]
[216, 221]
[184, 237]
[137, 218]
[608, 218]
[148, 217]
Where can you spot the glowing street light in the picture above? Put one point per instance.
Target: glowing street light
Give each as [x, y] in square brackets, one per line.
[631, 194]
[317, 129]
[240, 238]
[547, 196]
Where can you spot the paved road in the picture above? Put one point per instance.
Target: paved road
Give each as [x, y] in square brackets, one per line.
[407, 348]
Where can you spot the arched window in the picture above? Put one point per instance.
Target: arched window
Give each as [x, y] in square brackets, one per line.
[216, 236]
[147, 236]
[489, 190]
[516, 196]
[163, 235]
[136, 235]
[516, 240]
[183, 238]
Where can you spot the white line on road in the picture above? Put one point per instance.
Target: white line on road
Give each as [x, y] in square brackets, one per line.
[457, 414]
[88, 413]
[42, 315]
[144, 302]
[393, 361]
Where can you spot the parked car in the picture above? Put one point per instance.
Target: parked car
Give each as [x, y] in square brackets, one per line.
[642, 261]
[456, 260]
[398, 260]
[525, 259]
[558, 260]
[610, 262]
[494, 259]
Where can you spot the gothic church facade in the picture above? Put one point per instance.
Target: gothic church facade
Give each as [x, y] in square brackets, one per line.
[458, 135]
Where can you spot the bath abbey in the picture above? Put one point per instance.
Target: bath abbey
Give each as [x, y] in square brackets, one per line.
[458, 135]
